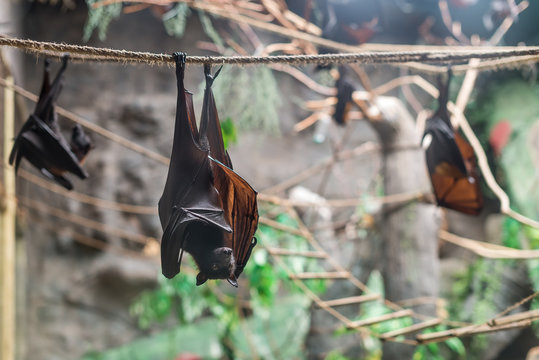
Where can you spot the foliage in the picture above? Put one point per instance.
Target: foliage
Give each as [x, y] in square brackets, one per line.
[373, 346]
[510, 233]
[511, 98]
[168, 344]
[251, 96]
[209, 29]
[532, 235]
[433, 351]
[297, 264]
[276, 332]
[255, 93]
[478, 288]
[99, 18]
[175, 19]
[335, 355]
[230, 134]
[376, 308]
[272, 310]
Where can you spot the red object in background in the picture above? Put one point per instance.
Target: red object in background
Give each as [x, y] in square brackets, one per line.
[361, 33]
[499, 136]
[188, 356]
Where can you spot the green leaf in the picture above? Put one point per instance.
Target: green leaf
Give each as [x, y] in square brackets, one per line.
[175, 19]
[335, 355]
[99, 18]
[510, 233]
[208, 28]
[279, 334]
[228, 129]
[250, 96]
[456, 345]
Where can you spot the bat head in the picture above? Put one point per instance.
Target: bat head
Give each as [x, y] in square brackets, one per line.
[80, 142]
[218, 263]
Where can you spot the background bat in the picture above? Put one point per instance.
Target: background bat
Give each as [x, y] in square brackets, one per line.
[344, 97]
[206, 209]
[40, 140]
[451, 161]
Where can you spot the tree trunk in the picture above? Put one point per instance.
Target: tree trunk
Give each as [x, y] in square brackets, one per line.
[409, 232]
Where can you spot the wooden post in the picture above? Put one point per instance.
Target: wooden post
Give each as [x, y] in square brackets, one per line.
[7, 237]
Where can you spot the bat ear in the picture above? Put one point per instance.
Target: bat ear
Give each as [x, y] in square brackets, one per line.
[232, 280]
[201, 278]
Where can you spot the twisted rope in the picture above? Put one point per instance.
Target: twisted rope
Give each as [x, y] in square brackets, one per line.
[89, 53]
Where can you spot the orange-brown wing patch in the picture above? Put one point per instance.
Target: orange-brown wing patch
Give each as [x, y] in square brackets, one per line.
[462, 194]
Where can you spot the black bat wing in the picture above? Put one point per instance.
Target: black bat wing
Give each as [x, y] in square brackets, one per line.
[440, 135]
[39, 111]
[45, 88]
[441, 147]
[49, 94]
[210, 124]
[48, 150]
[189, 193]
[15, 154]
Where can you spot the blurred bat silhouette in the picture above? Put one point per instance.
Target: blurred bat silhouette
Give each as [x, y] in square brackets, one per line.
[344, 97]
[40, 140]
[206, 208]
[451, 161]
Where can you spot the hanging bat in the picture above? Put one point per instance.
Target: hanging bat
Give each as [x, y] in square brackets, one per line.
[451, 161]
[206, 209]
[344, 97]
[41, 142]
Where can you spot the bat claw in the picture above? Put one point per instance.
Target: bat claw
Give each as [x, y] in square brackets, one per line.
[180, 57]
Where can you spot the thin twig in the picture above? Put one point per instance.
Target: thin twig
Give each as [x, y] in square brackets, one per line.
[307, 173]
[87, 240]
[280, 30]
[488, 250]
[82, 221]
[87, 199]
